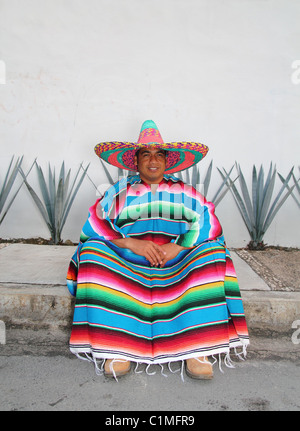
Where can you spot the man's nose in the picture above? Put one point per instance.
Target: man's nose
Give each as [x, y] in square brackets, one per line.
[153, 158]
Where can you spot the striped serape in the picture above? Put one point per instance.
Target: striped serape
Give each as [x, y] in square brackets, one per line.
[127, 309]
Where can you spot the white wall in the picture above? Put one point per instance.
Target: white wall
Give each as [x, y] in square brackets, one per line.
[83, 71]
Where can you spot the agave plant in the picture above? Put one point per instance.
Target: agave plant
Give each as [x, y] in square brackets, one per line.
[7, 185]
[110, 178]
[296, 185]
[57, 197]
[258, 212]
[192, 176]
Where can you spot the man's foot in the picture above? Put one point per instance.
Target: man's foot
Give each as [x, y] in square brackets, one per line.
[199, 368]
[116, 367]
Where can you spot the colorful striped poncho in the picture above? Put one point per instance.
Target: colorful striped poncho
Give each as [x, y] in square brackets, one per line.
[127, 309]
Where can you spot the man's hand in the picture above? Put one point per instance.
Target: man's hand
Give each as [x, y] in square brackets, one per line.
[171, 250]
[157, 255]
[154, 253]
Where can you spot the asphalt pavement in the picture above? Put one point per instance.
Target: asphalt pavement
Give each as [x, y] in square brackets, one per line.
[56, 383]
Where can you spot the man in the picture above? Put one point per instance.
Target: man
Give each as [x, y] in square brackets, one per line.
[151, 164]
[153, 279]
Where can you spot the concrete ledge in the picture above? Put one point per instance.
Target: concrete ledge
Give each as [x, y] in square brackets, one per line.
[271, 312]
[38, 321]
[36, 306]
[36, 264]
[46, 306]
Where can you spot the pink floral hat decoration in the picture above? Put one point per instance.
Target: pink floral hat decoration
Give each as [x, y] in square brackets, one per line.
[180, 155]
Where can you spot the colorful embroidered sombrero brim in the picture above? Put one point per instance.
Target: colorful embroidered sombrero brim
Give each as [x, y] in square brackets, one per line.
[180, 155]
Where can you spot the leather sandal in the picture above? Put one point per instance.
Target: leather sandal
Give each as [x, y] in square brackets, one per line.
[199, 368]
[116, 367]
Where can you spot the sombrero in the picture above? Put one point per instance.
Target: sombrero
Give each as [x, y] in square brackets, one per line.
[180, 155]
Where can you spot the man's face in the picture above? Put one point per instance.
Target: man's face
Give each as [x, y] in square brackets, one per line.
[151, 163]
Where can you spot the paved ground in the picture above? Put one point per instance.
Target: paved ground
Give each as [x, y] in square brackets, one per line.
[62, 383]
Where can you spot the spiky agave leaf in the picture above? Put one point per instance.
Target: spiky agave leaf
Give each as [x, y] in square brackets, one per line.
[192, 176]
[49, 204]
[72, 194]
[109, 177]
[277, 204]
[238, 200]
[218, 195]
[39, 204]
[259, 213]
[57, 201]
[7, 185]
[207, 179]
[296, 185]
